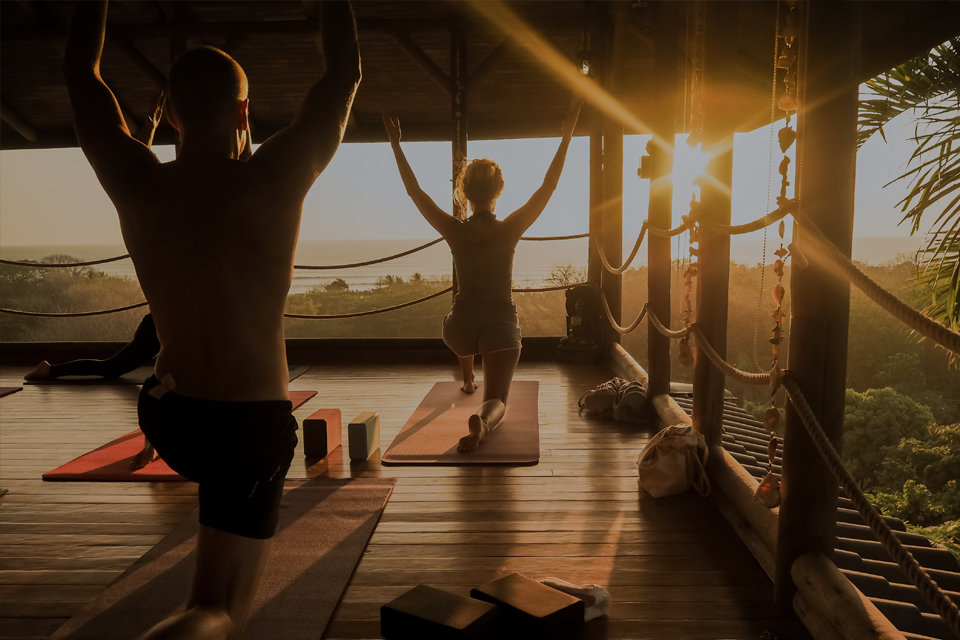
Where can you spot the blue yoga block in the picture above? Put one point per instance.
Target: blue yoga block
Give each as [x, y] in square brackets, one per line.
[363, 434]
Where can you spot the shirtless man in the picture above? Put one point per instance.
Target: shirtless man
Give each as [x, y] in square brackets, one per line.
[212, 239]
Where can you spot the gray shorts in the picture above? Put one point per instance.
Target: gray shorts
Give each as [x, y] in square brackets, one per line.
[471, 331]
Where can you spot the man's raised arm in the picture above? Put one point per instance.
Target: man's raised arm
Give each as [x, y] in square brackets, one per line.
[101, 131]
[300, 152]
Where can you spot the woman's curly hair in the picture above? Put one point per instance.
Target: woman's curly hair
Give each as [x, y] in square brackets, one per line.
[478, 181]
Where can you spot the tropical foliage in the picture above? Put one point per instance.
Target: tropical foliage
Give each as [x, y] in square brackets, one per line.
[930, 84]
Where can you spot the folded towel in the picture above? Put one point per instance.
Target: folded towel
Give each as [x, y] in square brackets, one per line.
[595, 597]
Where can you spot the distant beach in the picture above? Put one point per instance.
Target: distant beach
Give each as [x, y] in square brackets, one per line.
[533, 264]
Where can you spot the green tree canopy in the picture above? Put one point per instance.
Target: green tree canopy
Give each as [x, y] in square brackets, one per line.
[874, 422]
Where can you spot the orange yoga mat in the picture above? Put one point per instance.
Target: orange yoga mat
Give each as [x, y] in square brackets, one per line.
[433, 431]
[111, 462]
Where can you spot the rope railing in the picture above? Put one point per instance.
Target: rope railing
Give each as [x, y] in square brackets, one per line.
[331, 267]
[309, 267]
[548, 238]
[626, 263]
[739, 229]
[940, 602]
[62, 265]
[74, 314]
[358, 314]
[888, 302]
[371, 312]
[724, 366]
[616, 326]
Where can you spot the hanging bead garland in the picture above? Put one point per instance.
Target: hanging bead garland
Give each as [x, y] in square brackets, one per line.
[769, 490]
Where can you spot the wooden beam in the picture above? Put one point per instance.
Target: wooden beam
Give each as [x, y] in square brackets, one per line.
[718, 122]
[175, 12]
[144, 7]
[662, 120]
[312, 9]
[595, 222]
[612, 235]
[458, 105]
[423, 61]
[142, 63]
[820, 302]
[137, 31]
[18, 122]
[491, 62]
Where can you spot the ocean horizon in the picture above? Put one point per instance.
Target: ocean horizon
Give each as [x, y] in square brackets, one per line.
[533, 264]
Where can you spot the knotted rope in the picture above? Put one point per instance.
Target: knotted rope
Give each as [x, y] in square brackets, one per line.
[62, 265]
[888, 302]
[76, 314]
[927, 586]
[626, 263]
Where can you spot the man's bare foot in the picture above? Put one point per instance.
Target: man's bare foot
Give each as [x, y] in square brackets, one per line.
[147, 455]
[469, 386]
[478, 431]
[40, 372]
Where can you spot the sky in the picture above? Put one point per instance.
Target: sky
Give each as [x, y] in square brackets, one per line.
[51, 197]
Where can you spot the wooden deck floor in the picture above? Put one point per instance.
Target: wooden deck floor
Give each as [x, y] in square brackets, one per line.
[673, 566]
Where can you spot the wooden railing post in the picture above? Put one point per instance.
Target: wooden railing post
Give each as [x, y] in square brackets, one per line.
[594, 266]
[663, 118]
[458, 113]
[612, 227]
[719, 69]
[820, 302]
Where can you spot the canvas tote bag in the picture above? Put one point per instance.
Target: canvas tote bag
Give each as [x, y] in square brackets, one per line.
[673, 461]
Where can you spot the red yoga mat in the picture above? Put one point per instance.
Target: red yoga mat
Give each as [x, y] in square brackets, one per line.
[111, 462]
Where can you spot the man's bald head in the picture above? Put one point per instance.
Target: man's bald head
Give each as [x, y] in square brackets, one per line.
[204, 87]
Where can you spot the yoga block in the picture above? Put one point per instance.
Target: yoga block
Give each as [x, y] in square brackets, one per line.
[425, 612]
[363, 433]
[322, 433]
[530, 610]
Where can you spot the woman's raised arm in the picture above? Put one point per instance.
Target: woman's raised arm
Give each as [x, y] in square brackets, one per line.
[439, 219]
[521, 219]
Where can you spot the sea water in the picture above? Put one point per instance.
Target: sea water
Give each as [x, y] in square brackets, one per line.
[534, 263]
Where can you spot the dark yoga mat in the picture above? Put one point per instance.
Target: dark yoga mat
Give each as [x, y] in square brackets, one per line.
[5, 391]
[433, 431]
[111, 462]
[324, 527]
[137, 376]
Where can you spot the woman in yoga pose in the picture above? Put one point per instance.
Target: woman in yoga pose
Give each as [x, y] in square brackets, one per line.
[484, 317]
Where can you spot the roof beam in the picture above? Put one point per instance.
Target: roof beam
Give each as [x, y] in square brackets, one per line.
[10, 115]
[491, 62]
[175, 12]
[142, 63]
[312, 9]
[225, 29]
[416, 54]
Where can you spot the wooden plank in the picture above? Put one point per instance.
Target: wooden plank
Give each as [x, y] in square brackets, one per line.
[578, 515]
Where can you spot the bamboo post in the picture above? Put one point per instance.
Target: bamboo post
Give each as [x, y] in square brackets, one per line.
[719, 69]
[826, 171]
[458, 113]
[663, 123]
[612, 226]
[594, 266]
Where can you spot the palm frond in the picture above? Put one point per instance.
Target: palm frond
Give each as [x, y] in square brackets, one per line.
[913, 83]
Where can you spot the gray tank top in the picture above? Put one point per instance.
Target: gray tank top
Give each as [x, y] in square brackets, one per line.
[484, 270]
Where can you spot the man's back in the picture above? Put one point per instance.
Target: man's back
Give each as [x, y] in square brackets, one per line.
[213, 244]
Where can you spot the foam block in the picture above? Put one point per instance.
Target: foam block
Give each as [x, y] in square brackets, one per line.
[363, 433]
[531, 610]
[425, 612]
[322, 433]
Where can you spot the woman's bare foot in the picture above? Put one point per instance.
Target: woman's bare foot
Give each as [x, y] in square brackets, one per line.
[469, 386]
[147, 455]
[40, 372]
[478, 431]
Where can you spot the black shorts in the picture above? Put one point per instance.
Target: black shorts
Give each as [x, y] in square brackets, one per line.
[238, 452]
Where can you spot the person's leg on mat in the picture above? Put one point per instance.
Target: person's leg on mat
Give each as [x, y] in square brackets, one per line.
[498, 370]
[142, 349]
[466, 369]
[229, 570]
